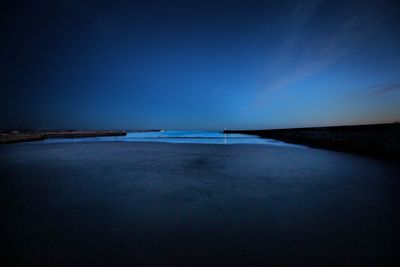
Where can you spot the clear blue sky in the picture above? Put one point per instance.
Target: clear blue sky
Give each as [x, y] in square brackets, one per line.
[199, 64]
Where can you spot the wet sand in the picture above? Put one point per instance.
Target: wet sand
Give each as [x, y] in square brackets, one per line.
[158, 204]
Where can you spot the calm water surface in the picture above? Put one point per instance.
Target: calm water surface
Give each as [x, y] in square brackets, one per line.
[193, 137]
[162, 204]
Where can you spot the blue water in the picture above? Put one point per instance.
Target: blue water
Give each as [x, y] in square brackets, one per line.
[193, 137]
[160, 204]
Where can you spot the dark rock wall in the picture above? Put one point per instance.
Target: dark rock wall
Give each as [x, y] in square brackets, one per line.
[379, 139]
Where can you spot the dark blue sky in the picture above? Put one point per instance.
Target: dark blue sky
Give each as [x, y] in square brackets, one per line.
[198, 64]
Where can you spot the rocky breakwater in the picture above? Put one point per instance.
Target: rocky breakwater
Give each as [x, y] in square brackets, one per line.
[381, 140]
[16, 136]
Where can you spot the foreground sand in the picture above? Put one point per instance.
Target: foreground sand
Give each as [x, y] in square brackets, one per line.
[171, 204]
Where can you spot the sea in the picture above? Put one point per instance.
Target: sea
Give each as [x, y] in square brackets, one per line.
[191, 137]
[183, 198]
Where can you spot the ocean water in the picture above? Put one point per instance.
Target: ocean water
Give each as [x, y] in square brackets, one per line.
[192, 137]
[164, 204]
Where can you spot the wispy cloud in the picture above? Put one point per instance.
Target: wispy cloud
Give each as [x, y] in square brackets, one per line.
[304, 54]
[383, 89]
[373, 90]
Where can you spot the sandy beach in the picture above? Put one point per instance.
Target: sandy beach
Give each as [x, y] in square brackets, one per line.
[157, 204]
